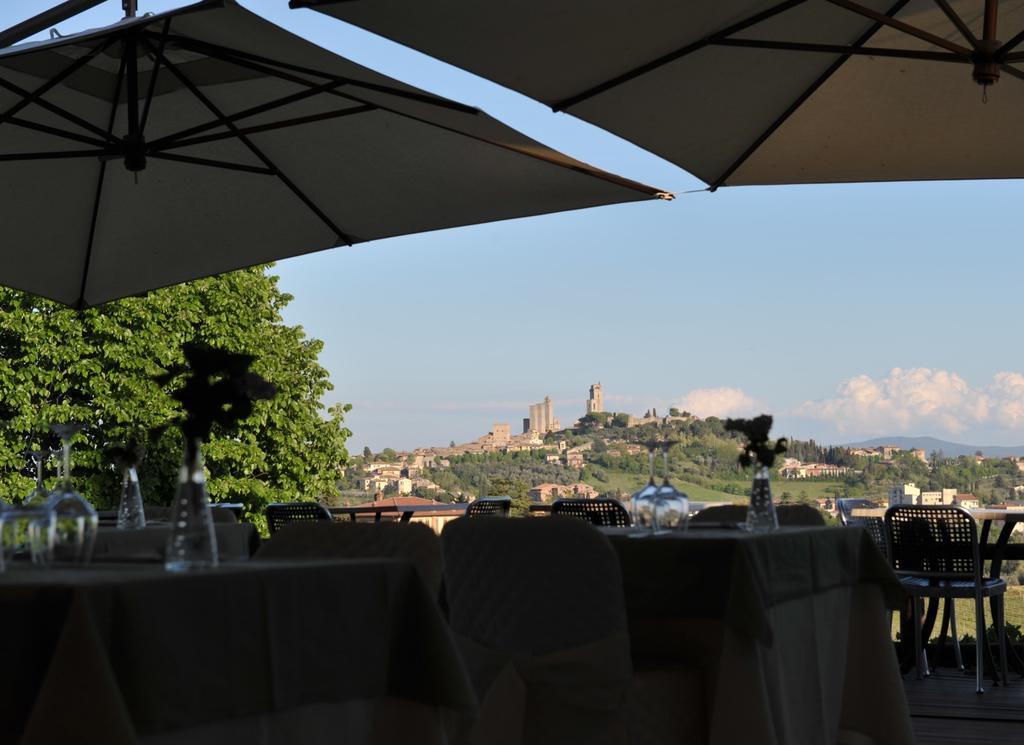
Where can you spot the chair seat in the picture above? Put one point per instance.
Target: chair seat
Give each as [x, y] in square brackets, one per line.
[951, 588]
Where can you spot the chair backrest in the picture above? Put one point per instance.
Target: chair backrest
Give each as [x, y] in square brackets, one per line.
[281, 513]
[531, 586]
[351, 540]
[604, 513]
[845, 507]
[788, 514]
[722, 513]
[490, 507]
[875, 526]
[933, 541]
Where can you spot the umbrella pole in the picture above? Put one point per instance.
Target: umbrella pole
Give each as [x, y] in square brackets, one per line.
[130, 7]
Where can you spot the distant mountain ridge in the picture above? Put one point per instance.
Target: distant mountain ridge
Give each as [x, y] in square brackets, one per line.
[949, 449]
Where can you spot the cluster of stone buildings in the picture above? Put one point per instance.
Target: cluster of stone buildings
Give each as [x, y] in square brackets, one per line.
[542, 418]
[911, 494]
[381, 478]
[551, 492]
[794, 469]
[886, 452]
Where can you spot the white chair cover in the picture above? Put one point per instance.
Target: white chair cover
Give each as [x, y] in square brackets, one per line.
[538, 612]
[349, 540]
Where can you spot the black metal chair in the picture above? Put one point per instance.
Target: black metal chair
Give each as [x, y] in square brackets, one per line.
[282, 513]
[604, 513]
[490, 507]
[845, 507]
[935, 552]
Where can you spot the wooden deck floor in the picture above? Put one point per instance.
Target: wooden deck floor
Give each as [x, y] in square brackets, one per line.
[946, 710]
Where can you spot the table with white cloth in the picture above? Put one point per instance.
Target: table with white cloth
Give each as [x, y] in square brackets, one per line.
[235, 542]
[788, 627]
[257, 652]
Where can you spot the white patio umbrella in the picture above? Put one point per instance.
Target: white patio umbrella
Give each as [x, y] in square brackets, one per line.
[192, 142]
[752, 91]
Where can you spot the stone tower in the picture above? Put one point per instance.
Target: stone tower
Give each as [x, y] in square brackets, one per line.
[595, 404]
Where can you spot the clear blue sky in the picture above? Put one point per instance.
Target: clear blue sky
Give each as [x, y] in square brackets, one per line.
[800, 300]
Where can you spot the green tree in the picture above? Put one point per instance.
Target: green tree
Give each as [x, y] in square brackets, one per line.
[388, 455]
[96, 367]
[367, 454]
[518, 490]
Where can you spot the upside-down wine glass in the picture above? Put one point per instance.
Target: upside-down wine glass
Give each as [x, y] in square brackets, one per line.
[40, 495]
[671, 506]
[76, 520]
[642, 502]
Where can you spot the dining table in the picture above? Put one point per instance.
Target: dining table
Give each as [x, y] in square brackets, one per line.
[311, 651]
[788, 628]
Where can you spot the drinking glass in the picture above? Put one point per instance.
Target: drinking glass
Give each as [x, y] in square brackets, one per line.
[671, 506]
[76, 520]
[40, 495]
[642, 502]
[26, 533]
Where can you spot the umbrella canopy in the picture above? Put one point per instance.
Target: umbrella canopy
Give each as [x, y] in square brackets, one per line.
[753, 91]
[188, 143]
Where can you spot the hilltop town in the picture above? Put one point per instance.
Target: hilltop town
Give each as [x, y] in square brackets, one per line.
[605, 453]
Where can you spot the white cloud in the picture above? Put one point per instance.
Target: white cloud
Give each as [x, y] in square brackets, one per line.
[920, 399]
[720, 402]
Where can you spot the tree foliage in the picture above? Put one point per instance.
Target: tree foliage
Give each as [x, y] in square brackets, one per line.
[97, 367]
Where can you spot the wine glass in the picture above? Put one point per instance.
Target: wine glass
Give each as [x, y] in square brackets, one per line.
[671, 506]
[76, 520]
[642, 502]
[40, 495]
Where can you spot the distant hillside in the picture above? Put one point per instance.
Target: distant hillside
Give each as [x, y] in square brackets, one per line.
[949, 449]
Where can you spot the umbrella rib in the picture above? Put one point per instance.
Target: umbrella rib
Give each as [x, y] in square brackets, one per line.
[335, 114]
[239, 57]
[627, 183]
[74, 119]
[53, 155]
[887, 19]
[188, 83]
[213, 163]
[246, 113]
[100, 179]
[55, 131]
[821, 79]
[957, 21]
[35, 95]
[793, 46]
[152, 78]
[1010, 45]
[665, 59]
[1019, 74]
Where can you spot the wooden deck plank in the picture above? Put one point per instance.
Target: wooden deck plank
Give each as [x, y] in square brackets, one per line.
[929, 731]
[945, 709]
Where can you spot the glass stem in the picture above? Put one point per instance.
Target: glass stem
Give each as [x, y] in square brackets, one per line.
[67, 463]
[665, 457]
[39, 471]
[650, 454]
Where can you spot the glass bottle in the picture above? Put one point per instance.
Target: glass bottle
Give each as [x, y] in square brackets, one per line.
[761, 515]
[130, 512]
[192, 544]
